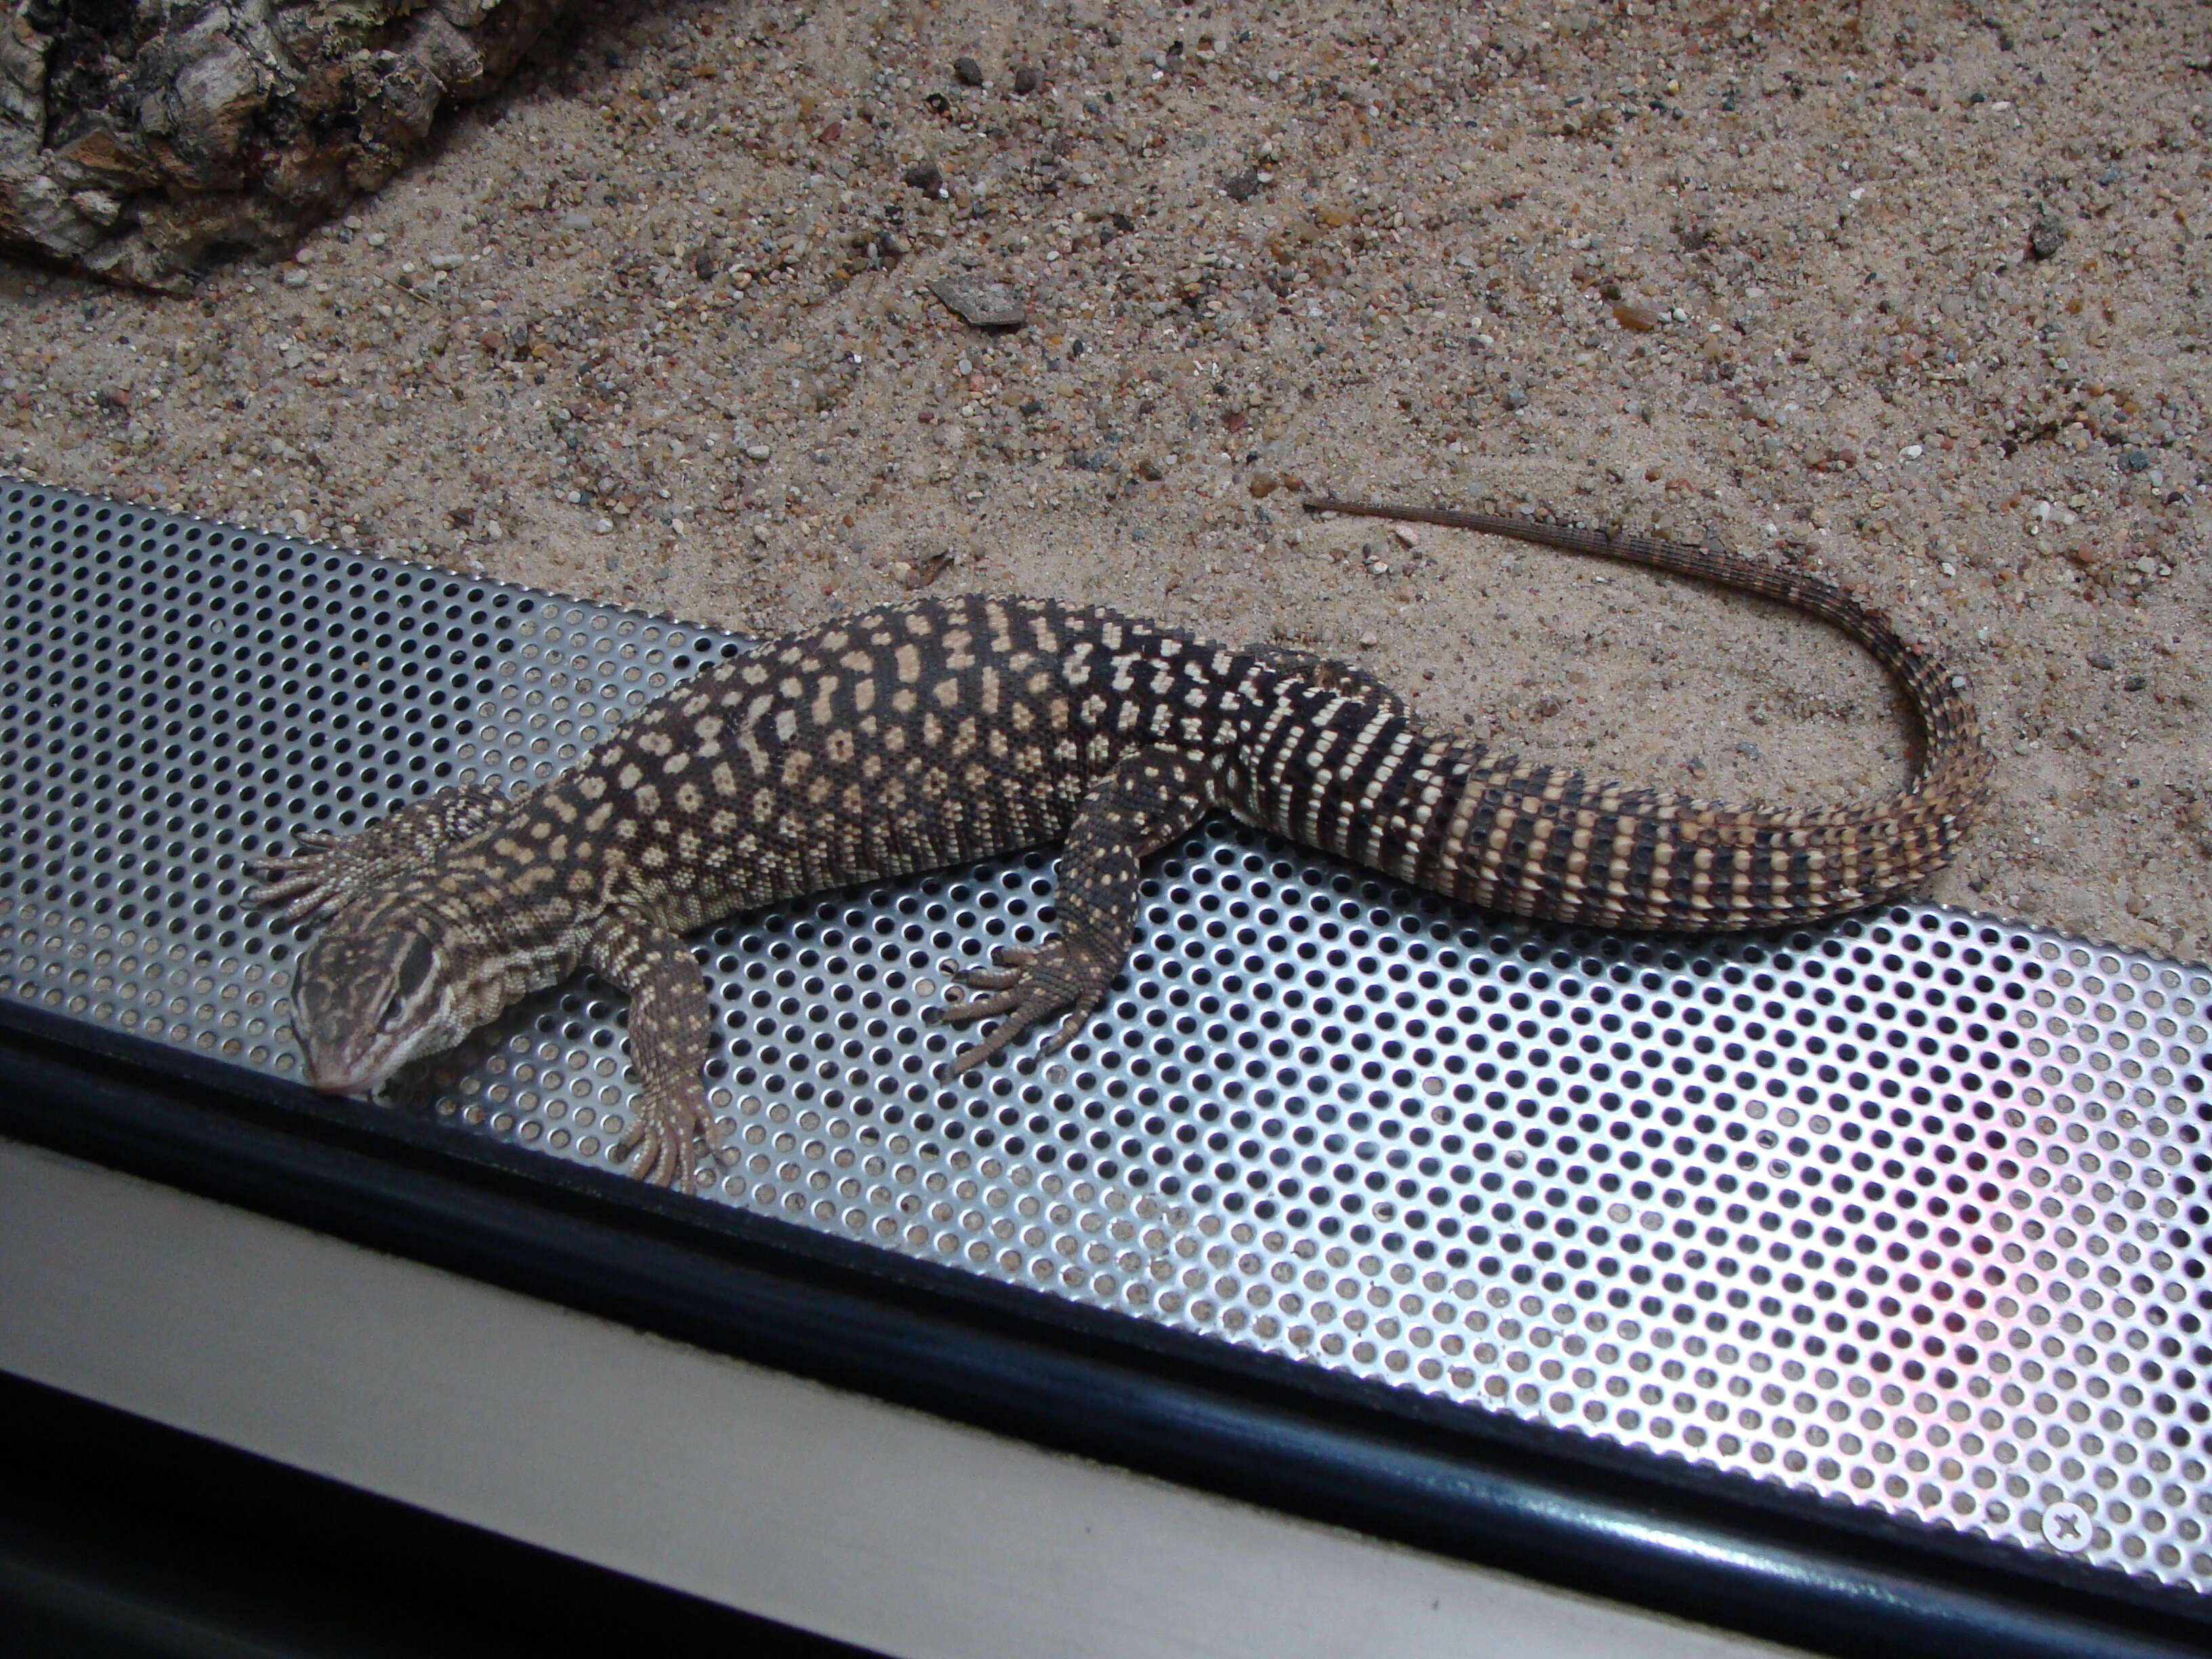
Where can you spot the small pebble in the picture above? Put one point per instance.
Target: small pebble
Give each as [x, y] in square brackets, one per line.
[1027, 79]
[2048, 236]
[968, 72]
[986, 305]
[2102, 659]
[1405, 534]
[757, 452]
[1515, 398]
[1243, 187]
[920, 573]
[1629, 314]
[926, 176]
[2136, 460]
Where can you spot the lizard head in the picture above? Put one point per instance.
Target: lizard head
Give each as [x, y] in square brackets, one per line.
[372, 993]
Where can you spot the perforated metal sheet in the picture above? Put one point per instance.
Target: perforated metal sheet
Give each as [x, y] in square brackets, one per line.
[1909, 1213]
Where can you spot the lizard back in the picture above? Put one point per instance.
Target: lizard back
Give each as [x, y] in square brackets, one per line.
[896, 739]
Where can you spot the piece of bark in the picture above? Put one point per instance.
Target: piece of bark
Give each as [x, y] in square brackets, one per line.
[140, 141]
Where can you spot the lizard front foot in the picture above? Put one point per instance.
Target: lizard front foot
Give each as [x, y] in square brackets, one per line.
[662, 1133]
[320, 880]
[1029, 986]
[330, 871]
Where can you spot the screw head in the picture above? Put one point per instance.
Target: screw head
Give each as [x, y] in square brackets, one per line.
[2067, 1527]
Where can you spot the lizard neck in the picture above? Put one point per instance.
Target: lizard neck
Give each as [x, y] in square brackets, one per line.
[507, 926]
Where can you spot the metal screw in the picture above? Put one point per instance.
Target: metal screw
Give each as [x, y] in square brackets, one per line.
[2067, 1527]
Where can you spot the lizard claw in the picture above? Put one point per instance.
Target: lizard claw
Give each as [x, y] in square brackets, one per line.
[1012, 960]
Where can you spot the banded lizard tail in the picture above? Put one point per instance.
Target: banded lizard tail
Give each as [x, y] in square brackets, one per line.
[939, 731]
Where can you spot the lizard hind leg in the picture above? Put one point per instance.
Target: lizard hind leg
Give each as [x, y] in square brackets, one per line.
[1330, 675]
[1152, 797]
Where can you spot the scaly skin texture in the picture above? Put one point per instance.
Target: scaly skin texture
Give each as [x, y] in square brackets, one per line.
[941, 731]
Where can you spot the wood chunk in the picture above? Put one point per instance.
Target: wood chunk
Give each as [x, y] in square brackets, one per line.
[226, 128]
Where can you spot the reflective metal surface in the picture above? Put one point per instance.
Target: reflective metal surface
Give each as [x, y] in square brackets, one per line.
[1909, 1213]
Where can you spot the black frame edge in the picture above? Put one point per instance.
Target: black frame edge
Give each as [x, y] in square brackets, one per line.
[1716, 1549]
[121, 1536]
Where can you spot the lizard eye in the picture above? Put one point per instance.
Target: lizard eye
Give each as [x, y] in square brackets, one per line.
[414, 974]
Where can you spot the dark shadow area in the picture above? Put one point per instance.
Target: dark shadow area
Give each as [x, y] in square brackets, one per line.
[120, 1537]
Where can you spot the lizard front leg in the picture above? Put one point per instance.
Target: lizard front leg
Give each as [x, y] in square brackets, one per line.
[670, 1023]
[1152, 797]
[335, 869]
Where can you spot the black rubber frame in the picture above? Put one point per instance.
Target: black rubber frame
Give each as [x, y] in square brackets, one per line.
[1721, 1549]
[119, 1536]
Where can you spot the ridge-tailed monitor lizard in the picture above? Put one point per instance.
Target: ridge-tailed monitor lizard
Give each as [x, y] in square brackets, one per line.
[939, 731]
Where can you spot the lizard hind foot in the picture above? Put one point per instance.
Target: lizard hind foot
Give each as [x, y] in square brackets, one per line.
[1031, 987]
